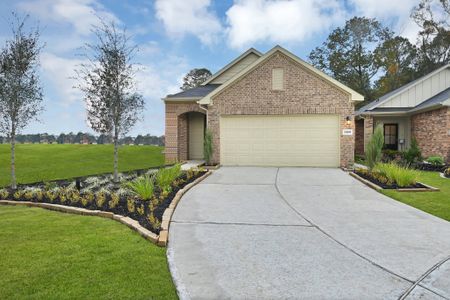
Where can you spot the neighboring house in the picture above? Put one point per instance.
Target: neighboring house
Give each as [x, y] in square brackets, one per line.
[419, 109]
[269, 109]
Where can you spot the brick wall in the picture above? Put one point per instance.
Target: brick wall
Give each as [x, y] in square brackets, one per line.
[368, 129]
[359, 137]
[176, 135]
[304, 93]
[432, 131]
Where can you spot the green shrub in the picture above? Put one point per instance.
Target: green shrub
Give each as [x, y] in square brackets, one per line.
[208, 147]
[4, 194]
[374, 147]
[413, 154]
[164, 177]
[396, 174]
[143, 187]
[435, 160]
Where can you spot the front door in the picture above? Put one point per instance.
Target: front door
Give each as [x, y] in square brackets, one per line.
[196, 135]
[391, 136]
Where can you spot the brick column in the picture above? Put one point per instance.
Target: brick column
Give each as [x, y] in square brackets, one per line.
[368, 129]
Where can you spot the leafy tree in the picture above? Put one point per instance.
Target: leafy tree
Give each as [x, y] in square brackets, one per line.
[348, 53]
[20, 90]
[61, 138]
[374, 147]
[195, 77]
[112, 103]
[396, 57]
[433, 17]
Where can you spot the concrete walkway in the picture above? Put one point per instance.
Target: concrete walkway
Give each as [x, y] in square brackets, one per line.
[280, 233]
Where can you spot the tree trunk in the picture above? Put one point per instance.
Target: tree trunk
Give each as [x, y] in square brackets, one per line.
[116, 156]
[13, 161]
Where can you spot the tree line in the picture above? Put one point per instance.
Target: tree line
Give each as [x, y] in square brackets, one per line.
[83, 138]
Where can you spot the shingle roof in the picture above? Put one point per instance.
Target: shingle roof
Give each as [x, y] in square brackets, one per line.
[197, 92]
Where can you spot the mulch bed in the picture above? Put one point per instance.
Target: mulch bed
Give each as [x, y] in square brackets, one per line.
[122, 207]
[423, 166]
[388, 186]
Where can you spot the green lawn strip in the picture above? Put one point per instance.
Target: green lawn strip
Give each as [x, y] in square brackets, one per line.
[39, 162]
[51, 255]
[435, 203]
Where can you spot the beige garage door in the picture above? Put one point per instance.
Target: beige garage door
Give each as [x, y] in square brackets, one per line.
[294, 140]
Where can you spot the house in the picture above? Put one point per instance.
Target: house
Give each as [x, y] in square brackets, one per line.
[419, 109]
[269, 109]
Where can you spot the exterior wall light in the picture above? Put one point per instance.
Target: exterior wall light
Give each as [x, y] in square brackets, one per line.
[348, 120]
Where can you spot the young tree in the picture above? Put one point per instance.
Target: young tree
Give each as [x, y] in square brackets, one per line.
[433, 17]
[195, 77]
[348, 53]
[20, 90]
[107, 80]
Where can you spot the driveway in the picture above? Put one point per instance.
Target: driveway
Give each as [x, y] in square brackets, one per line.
[278, 233]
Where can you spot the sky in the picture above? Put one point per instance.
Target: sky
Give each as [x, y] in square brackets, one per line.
[175, 36]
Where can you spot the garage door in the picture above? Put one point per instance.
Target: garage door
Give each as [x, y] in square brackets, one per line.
[295, 140]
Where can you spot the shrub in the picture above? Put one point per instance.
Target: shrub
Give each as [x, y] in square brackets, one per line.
[114, 200]
[154, 222]
[141, 210]
[413, 154]
[87, 198]
[100, 199]
[208, 147]
[374, 147]
[447, 172]
[4, 194]
[143, 187]
[164, 177]
[435, 160]
[396, 174]
[130, 205]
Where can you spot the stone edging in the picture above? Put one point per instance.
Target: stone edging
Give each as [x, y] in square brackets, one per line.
[378, 188]
[160, 240]
[167, 215]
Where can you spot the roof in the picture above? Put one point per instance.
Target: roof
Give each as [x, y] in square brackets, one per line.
[192, 94]
[393, 93]
[354, 95]
[440, 99]
[232, 63]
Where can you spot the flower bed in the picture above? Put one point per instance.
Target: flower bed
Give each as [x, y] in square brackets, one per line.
[378, 180]
[100, 193]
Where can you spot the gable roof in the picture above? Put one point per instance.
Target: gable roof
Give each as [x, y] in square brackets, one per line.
[372, 105]
[232, 63]
[354, 95]
[192, 94]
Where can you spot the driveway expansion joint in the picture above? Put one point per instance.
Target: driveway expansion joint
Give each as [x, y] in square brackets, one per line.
[241, 224]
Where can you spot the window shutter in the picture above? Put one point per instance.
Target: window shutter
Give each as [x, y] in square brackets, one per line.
[277, 79]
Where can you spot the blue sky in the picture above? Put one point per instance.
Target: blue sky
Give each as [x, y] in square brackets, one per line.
[175, 36]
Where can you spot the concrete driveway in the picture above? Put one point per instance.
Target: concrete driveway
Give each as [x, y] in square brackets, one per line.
[278, 233]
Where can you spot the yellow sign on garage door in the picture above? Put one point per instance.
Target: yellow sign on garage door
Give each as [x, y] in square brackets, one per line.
[280, 140]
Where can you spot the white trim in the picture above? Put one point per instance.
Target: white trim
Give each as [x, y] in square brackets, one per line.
[354, 95]
[232, 63]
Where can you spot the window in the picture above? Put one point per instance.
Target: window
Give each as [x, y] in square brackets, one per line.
[277, 79]
[391, 136]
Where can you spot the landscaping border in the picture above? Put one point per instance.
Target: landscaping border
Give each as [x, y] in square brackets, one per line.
[160, 240]
[428, 188]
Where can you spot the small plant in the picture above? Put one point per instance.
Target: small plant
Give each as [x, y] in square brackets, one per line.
[154, 222]
[75, 197]
[396, 174]
[63, 196]
[447, 172]
[141, 210]
[413, 154]
[17, 195]
[143, 187]
[165, 177]
[100, 199]
[131, 205]
[87, 199]
[114, 200]
[51, 195]
[28, 195]
[50, 185]
[374, 147]
[208, 147]
[39, 194]
[435, 160]
[4, 194]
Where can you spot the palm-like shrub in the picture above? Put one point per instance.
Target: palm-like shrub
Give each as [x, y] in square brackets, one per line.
[143, 187]
[413, 154]
[208, 147]
[374, 147]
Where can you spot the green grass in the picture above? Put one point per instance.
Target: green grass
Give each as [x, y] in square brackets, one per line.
[435, 203]
[51, 162]
[50, 255]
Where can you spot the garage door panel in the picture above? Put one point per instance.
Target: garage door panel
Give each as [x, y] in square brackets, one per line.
[300, 140]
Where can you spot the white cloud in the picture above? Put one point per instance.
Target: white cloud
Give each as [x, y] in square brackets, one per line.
[80, 14]
[252, 21]
[181, 17]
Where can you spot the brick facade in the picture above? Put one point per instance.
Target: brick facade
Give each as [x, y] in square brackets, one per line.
[304, 93]
[368, 129]
[359, 137]
[432, 131]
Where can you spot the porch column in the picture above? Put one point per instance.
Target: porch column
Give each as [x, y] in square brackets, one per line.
[368, 129]
[183, 137]
[171, 135]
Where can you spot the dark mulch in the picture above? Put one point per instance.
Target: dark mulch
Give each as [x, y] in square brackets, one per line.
[423, 166]
[387, 186]
[122, 207]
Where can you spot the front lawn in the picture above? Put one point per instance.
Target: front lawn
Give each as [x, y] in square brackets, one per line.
[41, 162]
[435, 203]
[50, 255]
